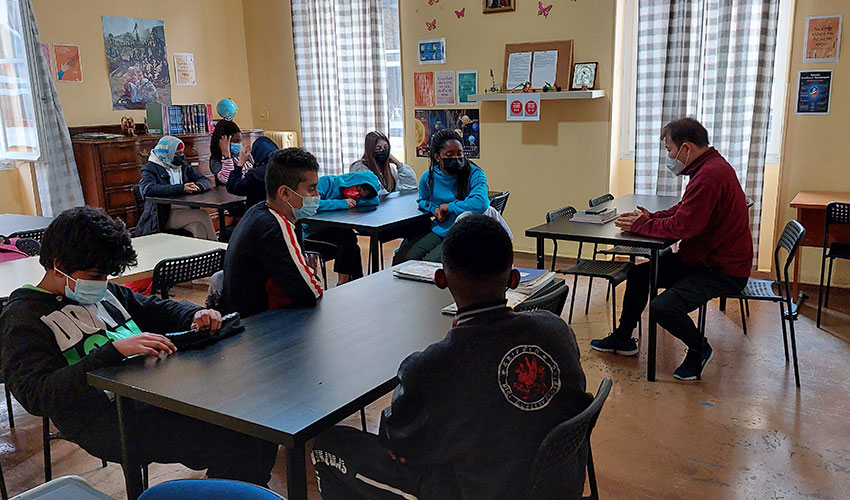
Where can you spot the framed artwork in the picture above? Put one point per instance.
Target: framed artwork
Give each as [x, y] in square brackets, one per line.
[137, 62]
[584, 76]
[490, 6]
[823, 38]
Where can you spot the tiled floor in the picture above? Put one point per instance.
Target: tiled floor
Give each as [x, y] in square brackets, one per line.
[743, 432]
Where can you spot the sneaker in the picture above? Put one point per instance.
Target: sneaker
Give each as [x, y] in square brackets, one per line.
[692, 366]
[617, 345]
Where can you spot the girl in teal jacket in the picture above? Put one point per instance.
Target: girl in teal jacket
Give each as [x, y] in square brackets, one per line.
[452, 185]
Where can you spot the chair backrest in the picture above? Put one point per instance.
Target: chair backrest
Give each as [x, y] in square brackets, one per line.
[837, 213]
[552, 301]
[500, 202]
[36, 234]
[208, 489]
[790, 241]
[214, 290]
[138, 199]
[605, 198]
[561, 213]
[170, 272]
[560, 447]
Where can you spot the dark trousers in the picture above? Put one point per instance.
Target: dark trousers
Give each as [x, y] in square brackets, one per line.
[347, 255]
[687, 288]
[427, 246]
[354, 465]
[165, 437]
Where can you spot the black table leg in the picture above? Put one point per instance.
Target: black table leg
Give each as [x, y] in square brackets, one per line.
[652, 327]
[130, 462]
[374, 253]
[296, 473]
[221, 225]
[539, 253]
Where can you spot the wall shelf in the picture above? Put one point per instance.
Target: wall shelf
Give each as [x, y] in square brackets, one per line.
[545, 96]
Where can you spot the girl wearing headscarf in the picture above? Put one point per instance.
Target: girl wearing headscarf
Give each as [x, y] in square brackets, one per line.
[251, 182]
[167, 174]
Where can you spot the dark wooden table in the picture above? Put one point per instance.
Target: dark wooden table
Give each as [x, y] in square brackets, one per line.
[394, 211]
[291, 374]
[15, 223]
[217, 198]
[608, 234]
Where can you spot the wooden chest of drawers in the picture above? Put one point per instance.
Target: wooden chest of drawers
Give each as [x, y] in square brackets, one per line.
[110, 167]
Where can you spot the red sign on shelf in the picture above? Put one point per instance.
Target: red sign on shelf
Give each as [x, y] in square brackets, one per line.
[516, 107]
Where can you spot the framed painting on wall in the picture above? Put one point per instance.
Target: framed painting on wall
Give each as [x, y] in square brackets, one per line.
[490, 6]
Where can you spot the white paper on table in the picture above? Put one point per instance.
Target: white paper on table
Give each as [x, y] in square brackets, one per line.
[544, 68]
[519, 70]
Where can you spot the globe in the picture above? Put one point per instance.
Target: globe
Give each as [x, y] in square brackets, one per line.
[227, 108]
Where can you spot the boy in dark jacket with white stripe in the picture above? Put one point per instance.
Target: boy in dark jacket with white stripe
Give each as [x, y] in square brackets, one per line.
[74, 322]
[470, 411]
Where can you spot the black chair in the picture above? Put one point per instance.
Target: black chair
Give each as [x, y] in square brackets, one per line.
[37, 235]
[552, 301]
[836, 214]
[614, 272]
[499, 202]
[169, 272]
[139, 202]
[763, 290]
[560, 448]
[29, 246]
[318, 253]
[5, 385]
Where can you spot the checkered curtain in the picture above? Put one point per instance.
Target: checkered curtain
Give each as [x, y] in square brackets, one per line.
[56, 172]
[711, 60]
[342, 83]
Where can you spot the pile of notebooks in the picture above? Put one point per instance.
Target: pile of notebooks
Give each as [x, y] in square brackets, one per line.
[595, 215]
[417, 270]
[179, 119]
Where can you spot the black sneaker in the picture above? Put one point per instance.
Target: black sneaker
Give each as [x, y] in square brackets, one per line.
[692, 366]
[617, 345]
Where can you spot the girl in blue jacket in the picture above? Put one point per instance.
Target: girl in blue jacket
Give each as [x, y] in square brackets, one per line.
[341, 192]
[452, 185]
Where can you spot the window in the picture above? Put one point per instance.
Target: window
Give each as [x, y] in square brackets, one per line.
[18, 120]
[392, 57]
[778, 93]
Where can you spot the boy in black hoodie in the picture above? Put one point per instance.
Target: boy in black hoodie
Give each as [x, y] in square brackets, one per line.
[470, 411]
[74, 322]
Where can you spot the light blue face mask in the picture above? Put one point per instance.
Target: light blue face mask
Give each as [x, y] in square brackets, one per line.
[85, 291]
[309, 206]
[235, 148]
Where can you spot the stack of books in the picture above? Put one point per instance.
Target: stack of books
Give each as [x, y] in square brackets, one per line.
[595, 215]
[417, 270]
[531, 282]
[179, 119]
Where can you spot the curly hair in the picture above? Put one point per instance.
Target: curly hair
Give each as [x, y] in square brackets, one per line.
[478, 248]
[86, 238]
[438, 141]
[222, 128]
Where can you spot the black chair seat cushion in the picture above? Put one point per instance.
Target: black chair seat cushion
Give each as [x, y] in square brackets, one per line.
[613, 271]
[758, 290]
[626, 250]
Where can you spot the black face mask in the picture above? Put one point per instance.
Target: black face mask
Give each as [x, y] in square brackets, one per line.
[179, 160]
[454, 165]
[381, 156]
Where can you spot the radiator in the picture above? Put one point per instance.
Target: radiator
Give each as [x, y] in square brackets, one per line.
[283, 139]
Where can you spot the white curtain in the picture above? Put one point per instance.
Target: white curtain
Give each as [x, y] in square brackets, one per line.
[342, 84]
[56, 172]
[711, 60]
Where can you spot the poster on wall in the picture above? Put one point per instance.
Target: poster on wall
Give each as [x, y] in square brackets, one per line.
[823, 38]
[184, 68]
[463, 121]
[68, 65]
[814, 92]
[467, 85]
[423, 89]
[137, 62]
[444, 87]
[432, 51]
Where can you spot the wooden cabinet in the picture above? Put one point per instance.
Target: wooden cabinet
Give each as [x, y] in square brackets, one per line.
[109, 167]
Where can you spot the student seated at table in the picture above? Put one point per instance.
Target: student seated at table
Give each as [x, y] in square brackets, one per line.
[392, 174]
[452, 185]
[471, 410]
[251, 182]
[74, 321]
[715, 254]
[167, 174]
[341, 192]
[264, 267]
[229, 150]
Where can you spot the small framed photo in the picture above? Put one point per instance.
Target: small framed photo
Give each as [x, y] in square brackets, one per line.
[584, 76]
[490, 6]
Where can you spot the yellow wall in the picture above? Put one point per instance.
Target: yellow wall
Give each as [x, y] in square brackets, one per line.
[17, 190]
[815, 148]
[563, 159]
[271, 64]
[211, 29]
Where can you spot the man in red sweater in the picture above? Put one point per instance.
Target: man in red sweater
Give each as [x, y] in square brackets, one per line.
[715, 253]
